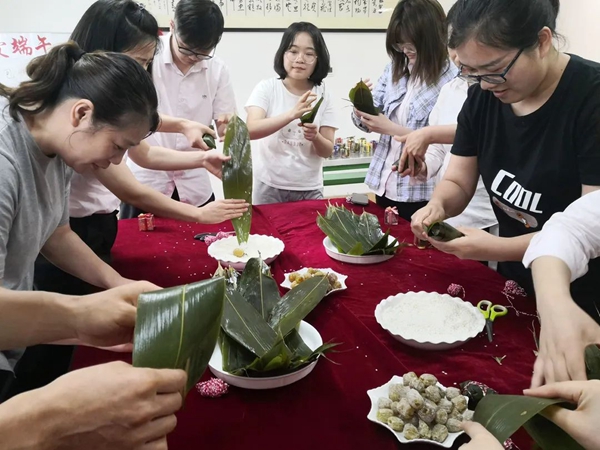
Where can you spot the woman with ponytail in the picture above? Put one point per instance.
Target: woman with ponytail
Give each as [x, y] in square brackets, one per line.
[531, 128]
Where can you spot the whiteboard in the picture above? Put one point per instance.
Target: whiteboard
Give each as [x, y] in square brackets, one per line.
[279, 14]
[18, 49]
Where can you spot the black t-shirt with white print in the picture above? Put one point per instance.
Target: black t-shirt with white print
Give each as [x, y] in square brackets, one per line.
[533, 166]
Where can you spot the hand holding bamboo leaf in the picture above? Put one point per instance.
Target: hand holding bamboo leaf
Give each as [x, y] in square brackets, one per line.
[303, 106]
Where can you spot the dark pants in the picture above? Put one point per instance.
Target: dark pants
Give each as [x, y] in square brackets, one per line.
[405, 210]
[42, 364]
[131, 212]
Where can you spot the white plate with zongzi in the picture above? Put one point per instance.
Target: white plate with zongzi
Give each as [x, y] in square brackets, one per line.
[334, 253]
[337, 281]
[311, 338]
[267, 247]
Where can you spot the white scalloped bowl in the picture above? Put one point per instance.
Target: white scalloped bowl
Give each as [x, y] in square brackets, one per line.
[436, 332]
[267, 247]
[382, 391]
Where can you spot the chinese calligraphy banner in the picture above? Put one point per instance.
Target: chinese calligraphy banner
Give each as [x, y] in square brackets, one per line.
[17, 49]
[279, 14]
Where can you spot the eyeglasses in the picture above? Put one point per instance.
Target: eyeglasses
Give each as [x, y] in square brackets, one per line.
[491, 78]
[404, 48]
[308, 58]
[190, 53]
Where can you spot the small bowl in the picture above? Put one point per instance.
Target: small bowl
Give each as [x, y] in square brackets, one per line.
[341, 278]
[382, 391]
[311, 338]
[455, 337]
[333, 252]
[267, 247]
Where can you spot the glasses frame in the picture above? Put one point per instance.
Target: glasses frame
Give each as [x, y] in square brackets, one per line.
[495, 76]
[400, 48]
[191, 53]
[287, 52]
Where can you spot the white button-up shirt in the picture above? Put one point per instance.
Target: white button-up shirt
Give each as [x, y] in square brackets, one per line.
[202, 95]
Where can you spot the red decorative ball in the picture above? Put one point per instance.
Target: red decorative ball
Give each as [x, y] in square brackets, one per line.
[512, 288]
[212, 388]
[456, 290]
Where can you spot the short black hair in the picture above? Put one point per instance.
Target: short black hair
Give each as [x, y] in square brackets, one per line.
[502, 24]
[323, 60]
[115, 26]
[199, 24]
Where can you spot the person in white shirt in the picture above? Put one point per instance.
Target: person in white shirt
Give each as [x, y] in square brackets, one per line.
[431, 145]
[288, 155]
[191, 83]
[559, 255]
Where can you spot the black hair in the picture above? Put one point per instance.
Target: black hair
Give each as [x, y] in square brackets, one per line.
[119, 88]
[199, 24]
[116, 26]
[287, 40]
[423, 23]
[505, 24]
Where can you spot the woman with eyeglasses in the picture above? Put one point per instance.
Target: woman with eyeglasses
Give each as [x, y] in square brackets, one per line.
[288, 161]
[531, 128]
[194, 84]
[405, 94]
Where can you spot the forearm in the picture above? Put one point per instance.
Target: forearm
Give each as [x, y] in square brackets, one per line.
[170, 124]
[323, 146]
[68, 252]
[31, 421]
[552, 281]
[510, 249]
[452, 197]
[34, 317]
[399, 130]
[260, 128]
[160, 158]
[440, 134]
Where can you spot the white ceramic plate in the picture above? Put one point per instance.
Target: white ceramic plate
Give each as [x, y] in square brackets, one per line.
[311, 338]
[267, 247]
[382, 391]
[333, 252]
[341, 278]
[436, 332]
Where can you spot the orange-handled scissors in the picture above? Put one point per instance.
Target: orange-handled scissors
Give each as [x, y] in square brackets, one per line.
[490, 312]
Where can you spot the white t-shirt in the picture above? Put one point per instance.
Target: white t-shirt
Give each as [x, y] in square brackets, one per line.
[285, 160]
[89, 196]
[479, 212]
[572, 236]
[202, 95]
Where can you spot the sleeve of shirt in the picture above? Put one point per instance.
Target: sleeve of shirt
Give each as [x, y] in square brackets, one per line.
[587, 139]
[9, 194]
[329, 117]
[224, 102]
[261, 96]
[434, 159]
[572, 236]
[465, 141]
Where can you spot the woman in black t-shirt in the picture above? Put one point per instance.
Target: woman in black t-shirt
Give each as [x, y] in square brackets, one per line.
[531, 128]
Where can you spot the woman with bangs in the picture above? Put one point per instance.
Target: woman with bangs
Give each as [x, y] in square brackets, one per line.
[405, 94]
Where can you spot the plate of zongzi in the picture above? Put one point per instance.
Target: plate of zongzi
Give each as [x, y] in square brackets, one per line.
[229, 252]
[311, 338]
[337, 281]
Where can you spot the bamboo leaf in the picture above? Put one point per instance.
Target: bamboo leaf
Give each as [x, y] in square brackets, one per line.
[592, 362]
[209, 140]
[258, 287]
[503, 415]
[178, 327]
[235, 356]
[297, 345]
[279, 357]
[297, 303]
[242, 322]
[237, 173]
[362, 99]
[310, 116]
[548, 436]
[443, 232]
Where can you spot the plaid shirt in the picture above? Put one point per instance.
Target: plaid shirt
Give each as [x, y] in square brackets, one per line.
[388, 97]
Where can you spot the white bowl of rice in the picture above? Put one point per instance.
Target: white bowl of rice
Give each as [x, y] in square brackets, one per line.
[428, 320]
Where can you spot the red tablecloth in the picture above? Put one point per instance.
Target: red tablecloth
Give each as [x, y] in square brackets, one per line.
[328, 408]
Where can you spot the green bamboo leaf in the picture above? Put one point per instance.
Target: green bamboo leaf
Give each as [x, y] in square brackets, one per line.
[548, 436]
[297, 303]
[258, 287]
[237, 173]
[279, 357]
[443, 232]
[297, 345]
[310, 116]
[503, 415]
[235, 357]
[177, 328]
[592, 362]
[362, 99]
[209, 139]
[242, 322]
